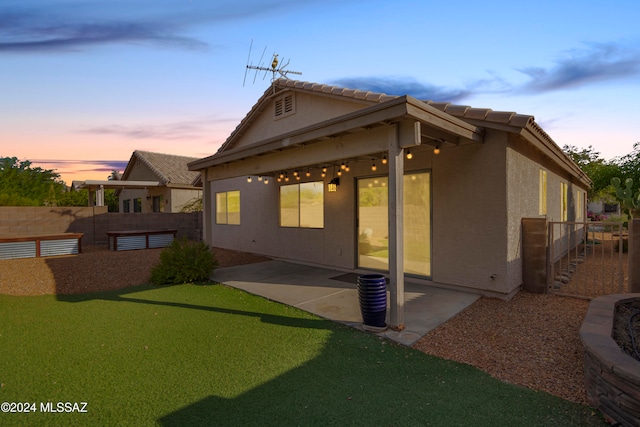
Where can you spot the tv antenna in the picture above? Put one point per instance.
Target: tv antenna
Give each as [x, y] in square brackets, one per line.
[278, 68]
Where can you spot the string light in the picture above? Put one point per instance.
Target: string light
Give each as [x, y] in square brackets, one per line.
[266, 181]
[373, 166]
[436, 150]
[409, 155]
[248, 179]
[384, 159]
[260, 178]
[346, 169]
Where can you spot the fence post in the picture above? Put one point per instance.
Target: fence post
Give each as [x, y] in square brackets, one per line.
[634, 256]
[534, 255]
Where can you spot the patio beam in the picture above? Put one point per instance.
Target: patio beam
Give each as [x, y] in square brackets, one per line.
[396, 225]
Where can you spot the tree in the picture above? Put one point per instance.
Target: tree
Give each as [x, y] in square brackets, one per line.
[599, 170]
[630, 164]
[23, 185]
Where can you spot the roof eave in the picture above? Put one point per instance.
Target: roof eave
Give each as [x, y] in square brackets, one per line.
[404, 107]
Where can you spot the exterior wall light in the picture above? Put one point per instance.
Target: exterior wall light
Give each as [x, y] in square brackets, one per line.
[332, 187]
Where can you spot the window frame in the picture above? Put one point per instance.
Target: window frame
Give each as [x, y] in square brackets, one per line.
[564, 201]
[542, 193]
[226, 195]
[299, 200]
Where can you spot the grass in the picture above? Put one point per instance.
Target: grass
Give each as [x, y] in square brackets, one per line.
[212, 355]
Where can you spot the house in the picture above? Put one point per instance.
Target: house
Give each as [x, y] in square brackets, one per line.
[426, 192]
[163, 183]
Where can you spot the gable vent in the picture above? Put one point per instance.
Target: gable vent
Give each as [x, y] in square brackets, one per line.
[288, 103]
[284, 106]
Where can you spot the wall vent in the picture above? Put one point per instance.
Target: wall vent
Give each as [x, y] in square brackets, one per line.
[284, 106]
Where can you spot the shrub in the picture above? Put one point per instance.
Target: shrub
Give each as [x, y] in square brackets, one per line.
[184, 261]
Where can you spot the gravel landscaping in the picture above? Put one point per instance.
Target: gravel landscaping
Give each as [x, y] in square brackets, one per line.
[531, 340]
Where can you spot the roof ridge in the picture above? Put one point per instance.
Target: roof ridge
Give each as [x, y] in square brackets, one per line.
[140, 155]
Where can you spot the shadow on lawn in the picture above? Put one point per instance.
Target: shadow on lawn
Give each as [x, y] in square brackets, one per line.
[357, 380]
[120, 296]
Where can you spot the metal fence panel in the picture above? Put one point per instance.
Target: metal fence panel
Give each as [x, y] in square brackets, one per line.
[586, 259]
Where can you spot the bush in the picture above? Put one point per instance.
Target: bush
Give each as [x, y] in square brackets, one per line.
[184, 261]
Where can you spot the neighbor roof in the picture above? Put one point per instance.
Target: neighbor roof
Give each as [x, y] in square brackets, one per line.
[171, 170]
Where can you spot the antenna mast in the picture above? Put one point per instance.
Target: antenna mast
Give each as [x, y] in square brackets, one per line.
[275, 69]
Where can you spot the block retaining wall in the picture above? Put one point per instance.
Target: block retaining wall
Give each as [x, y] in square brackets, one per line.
[93, 222]
[612, 377]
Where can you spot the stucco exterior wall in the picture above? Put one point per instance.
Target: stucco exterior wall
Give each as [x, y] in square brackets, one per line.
[309, 110]
[470, 216]
[523, 201]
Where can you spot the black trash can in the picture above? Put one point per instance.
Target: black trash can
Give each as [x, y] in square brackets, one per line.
[372, 294]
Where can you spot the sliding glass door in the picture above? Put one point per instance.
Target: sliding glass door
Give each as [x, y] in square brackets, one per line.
[373, 226]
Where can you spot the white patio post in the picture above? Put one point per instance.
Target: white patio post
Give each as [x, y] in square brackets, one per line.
[396, 241]
[100, 196]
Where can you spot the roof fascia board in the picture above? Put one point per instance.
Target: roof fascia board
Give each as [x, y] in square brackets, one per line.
[370, 116]
[377, 114]
[441, 120]
[555, 153]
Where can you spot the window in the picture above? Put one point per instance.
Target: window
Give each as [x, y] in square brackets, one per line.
[228, 207]
[302, 205]
[564, 201]
[543, 193]
[373, 223]
[579, 206]
[284, 106]
[137, 204]
[158, 203]
[126, 205]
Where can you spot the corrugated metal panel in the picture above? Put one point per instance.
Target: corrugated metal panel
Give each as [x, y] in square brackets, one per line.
[127, 243]
[11, 250]
[59, 247]
[160, 240]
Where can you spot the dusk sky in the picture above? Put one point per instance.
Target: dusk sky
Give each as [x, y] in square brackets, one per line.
[84, 83]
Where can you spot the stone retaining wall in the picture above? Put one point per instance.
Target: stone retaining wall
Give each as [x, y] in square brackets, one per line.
[612, 377]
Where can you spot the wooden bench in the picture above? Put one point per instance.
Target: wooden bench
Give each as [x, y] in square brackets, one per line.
[40, 245]
[140, 239]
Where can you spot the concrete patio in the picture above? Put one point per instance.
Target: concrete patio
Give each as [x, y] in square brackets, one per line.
[333, 295]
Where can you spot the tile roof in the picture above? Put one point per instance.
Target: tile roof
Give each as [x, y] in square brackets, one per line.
[463, 112]
[171, 169]
[460, 111]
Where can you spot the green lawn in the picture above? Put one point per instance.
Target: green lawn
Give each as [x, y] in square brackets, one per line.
[211, 355]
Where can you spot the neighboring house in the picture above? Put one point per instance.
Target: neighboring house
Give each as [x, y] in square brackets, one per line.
[170, 183]
[427, 192]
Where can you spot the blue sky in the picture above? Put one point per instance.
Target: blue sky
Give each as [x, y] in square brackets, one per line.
[84, 83]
